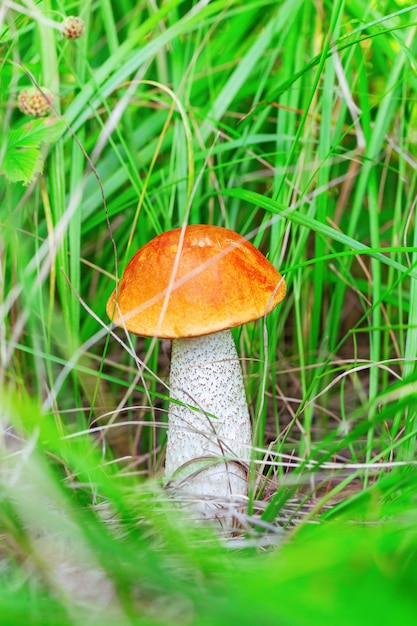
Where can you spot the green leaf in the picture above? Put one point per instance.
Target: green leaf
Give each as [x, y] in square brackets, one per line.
[22, 154]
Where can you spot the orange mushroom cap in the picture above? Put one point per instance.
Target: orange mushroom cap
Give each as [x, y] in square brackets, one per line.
[210, 280]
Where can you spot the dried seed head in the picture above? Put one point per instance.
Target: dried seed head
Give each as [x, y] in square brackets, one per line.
[73, 27]
[33, 102]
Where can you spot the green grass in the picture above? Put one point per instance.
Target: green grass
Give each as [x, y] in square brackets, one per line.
[292, 123]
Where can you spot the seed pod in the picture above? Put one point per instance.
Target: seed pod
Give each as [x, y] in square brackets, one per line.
[73, 27]
[35, 102]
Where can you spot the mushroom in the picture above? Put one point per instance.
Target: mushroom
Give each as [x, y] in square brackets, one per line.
[192, 285]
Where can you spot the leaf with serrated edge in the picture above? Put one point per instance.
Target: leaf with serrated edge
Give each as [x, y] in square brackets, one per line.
[22, 158]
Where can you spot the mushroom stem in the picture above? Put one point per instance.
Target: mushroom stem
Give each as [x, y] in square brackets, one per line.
[209, 430]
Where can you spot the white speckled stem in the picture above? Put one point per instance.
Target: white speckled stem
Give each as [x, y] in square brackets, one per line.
[206, 374]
